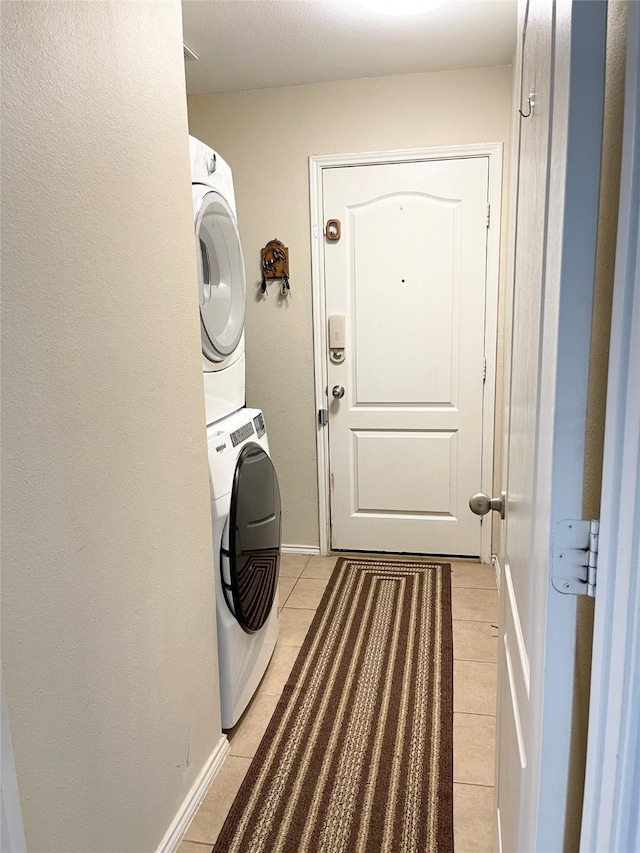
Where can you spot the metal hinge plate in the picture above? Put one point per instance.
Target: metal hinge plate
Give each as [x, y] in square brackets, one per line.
[323, 417]
[575, 557]
[488, 215]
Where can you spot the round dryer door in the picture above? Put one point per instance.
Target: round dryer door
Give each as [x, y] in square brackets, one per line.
[221, 278]
[254, 535]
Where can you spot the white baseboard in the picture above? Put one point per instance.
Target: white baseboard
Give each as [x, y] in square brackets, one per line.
[196, 795]
[314, 550]
[496, 568]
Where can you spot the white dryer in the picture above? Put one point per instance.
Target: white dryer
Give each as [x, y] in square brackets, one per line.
[221, 282]
[246, 514]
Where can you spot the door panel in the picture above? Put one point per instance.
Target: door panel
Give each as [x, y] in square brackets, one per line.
[381, 457]
[413, 234]
[409, 274]
[547, 333]
[516, 726]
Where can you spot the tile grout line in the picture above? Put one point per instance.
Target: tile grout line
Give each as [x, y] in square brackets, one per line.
[490, 622]
[475, 622]
[295, 582]
[473, 714]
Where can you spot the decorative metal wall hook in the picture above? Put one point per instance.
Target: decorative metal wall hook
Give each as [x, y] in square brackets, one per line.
[274, 261]
[532, 102]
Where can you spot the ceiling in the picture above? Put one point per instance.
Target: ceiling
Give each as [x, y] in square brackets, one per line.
[256, 44]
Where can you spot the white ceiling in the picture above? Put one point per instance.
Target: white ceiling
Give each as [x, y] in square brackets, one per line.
[255, 44]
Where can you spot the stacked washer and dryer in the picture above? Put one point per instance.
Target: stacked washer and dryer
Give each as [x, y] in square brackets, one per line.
[245, 499]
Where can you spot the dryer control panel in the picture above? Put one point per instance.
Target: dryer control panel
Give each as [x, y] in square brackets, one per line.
[258, 422]
[242, 434]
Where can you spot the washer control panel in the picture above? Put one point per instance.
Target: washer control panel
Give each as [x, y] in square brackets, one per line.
[258, 422]
[242, 434]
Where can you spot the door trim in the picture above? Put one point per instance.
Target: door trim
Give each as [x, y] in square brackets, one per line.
[492, 150]
[12, 828]
[612, 788]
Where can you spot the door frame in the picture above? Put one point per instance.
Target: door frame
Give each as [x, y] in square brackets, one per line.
[612, 786]
[12, 838]
[492, 150]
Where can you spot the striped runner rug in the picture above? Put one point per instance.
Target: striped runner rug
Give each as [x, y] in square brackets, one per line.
[358, 755]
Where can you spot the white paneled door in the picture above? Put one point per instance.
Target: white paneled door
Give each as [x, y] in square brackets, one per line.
[406, 376]
[557, 150]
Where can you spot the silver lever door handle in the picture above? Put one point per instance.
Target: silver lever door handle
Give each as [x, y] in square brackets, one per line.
[481, 504]
[338, 391]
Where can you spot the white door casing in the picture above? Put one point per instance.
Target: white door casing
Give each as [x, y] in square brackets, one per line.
[548, 335]
[12, 838]
[417, 283]
[612, 783]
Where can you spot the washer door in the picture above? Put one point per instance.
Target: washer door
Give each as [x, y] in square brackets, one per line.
[250, 565]
[221, 279]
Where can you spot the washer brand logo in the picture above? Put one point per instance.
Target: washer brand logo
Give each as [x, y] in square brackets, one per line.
[220, 448]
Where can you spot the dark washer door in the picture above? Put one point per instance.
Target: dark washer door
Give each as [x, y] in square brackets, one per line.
[254, 539]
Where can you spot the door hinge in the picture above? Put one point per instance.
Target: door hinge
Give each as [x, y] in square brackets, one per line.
[574, 565]
[488, 215]
[484, 369]
[323, 417]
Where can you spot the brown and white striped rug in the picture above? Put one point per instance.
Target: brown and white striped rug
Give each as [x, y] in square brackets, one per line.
[358, 754]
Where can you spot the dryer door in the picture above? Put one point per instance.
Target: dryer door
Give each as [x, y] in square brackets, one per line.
[251, 563]
[221, 279]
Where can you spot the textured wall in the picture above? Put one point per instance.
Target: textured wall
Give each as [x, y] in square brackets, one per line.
[108, 631]
[267, 136]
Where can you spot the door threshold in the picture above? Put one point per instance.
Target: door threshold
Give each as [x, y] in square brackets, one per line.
[403, 555]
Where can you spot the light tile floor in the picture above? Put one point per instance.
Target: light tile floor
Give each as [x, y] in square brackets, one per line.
[475, 614]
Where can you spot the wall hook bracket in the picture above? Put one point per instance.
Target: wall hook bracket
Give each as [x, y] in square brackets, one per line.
[274, 262]
[531, 101]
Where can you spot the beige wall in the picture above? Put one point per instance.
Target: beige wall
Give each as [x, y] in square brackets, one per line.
[108, 632]
[267, 137]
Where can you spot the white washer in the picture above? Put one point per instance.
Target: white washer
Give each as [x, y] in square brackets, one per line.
[246, 514]
[221, 282]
